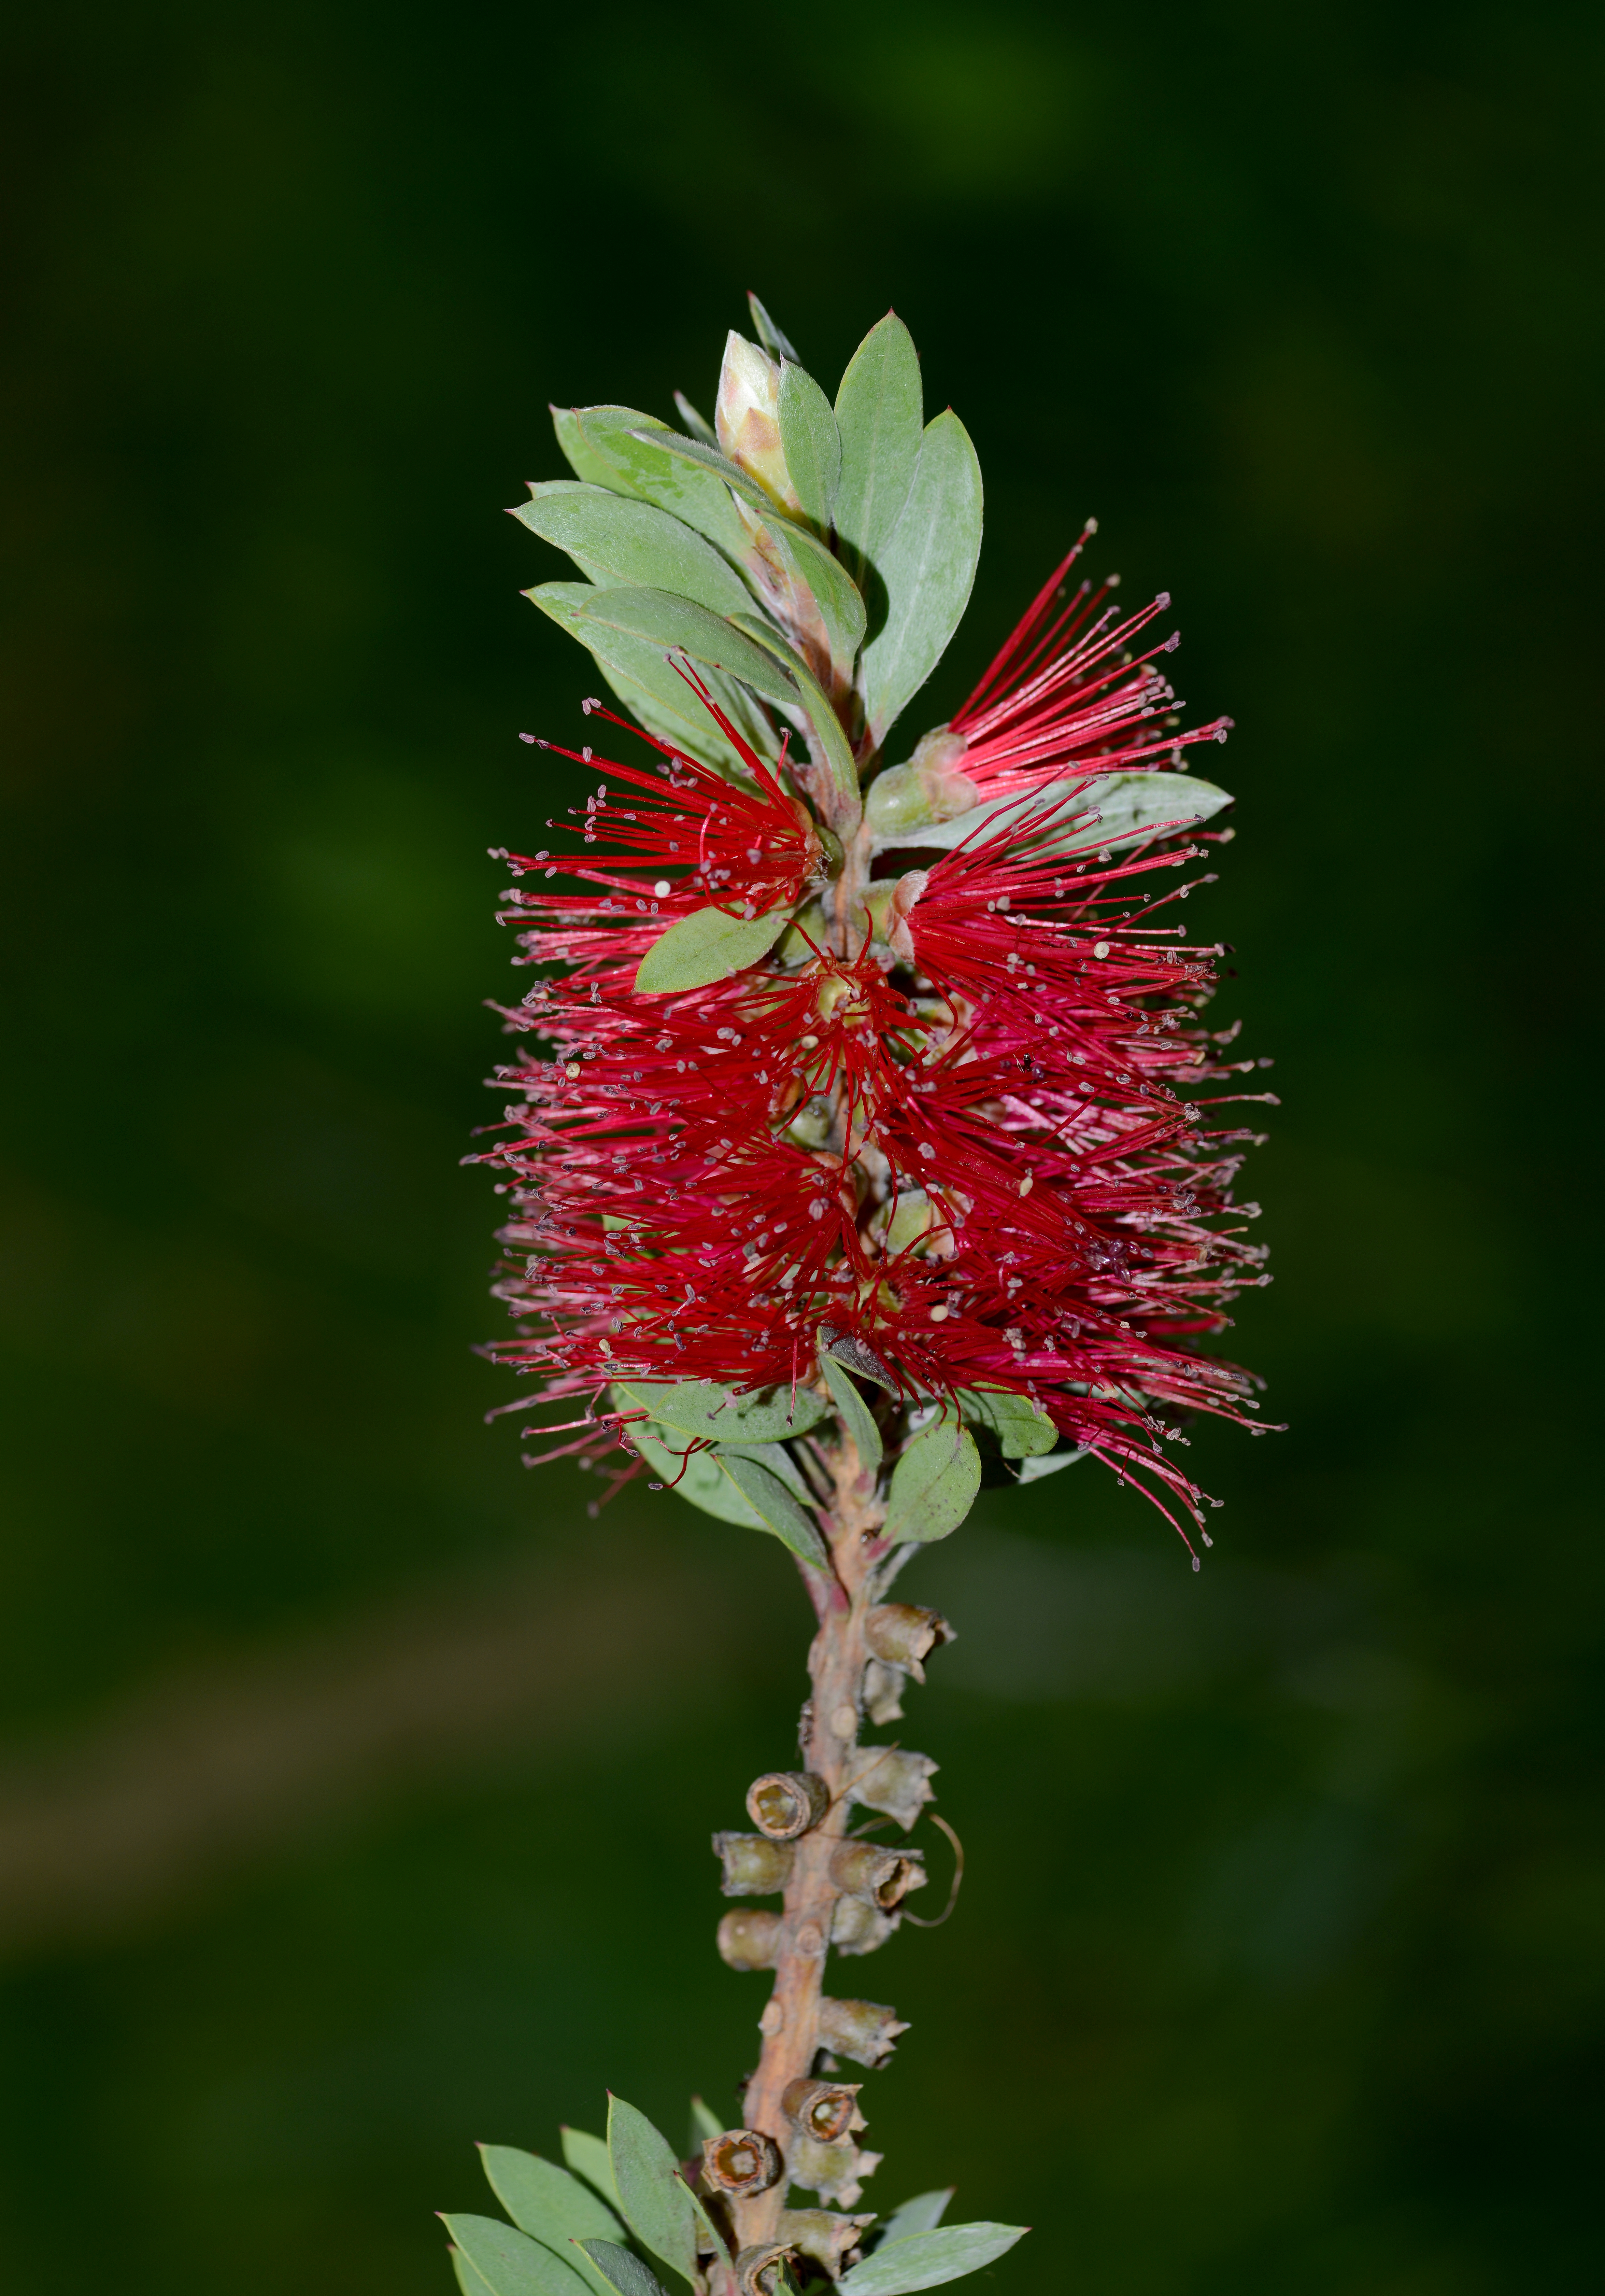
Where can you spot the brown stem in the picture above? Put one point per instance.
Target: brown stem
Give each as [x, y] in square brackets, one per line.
[836, 1663]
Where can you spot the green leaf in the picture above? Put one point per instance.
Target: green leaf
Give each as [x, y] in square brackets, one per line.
[764, 328]
[704, 2122]
[591, 468]
[588, 2157]
[698, 425]
[545, 2201]
[928, 568]
[925, 2259]
[815, 592]
[779, 1461]
[622, 2270]
[879, 414]
[1023, 1429]
[512, 2264]
[656, 2205]
[923, 2213]
[1131, 807]
[703, 1483]
[1032, 1470]
[856, 1413]
[468, 2279]
[714, 465]
[615, 541]
[708, 945]
[810, 441]
[671, 623]
[775, 1507]
[648, 683]
[934, 1483]
[828, 743]
[620, 458]
[768, 1415]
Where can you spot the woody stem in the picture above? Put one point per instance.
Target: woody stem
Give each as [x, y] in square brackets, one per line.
[789, 2023]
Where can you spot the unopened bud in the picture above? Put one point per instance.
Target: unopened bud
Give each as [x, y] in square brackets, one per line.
[753, 1867]
[866, 2031]
[930, 788]
[904, 1635]
[836, 2172]
[830, 2240]
[750, 1939]
[747, 418]
[742, 2161]
[863, 1869]
[855, 1926]
[885, 1779]
[825, 2110]
[784, 1803]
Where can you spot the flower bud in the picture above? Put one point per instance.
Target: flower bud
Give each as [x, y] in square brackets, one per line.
[784, 1803]
[866, 2031]
[830, 2240]
[930, 788]
[742, 2161]
[904, 1635]
[749, 1939]
[863, 1869]
[747, 418]
[856, 1926]
[885, 1779]
[825, 2110]
[753, 1867]
[836, 2172]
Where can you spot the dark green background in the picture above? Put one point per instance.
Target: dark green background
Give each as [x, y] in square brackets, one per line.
[355, 1789]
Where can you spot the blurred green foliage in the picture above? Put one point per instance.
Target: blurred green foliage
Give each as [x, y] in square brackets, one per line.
[355, 1788]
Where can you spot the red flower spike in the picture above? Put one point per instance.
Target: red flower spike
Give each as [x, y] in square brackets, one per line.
[974, 1148]
[1066, 695]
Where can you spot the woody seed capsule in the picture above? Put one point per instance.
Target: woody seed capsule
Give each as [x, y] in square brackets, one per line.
[753, 1867]
[866, 2031]
[881, 1876]
[740, 2161]
[830, 2240]
[886, 1779]
[785, 1803]
[836, 2172]
[905, 1634]
[749, 1939]
[855, 1926]
[825, 2110]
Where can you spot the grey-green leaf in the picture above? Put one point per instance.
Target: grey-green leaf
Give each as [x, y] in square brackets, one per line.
[468, 2279]
[929, 569]
[697, 423]
[926, 2260]
[811, 443]
[923, 2213]
[617, 456]
[1023, 1429]
[647, 682]
[545, 2201]
[779, 1461]
[934, 1483]
[616, 541]
[767, 332]
[812, 588]
[1032, 1470]
[697, 1479]
[768, 1415]
[594, 468]
[708, 945]
[709, 461]
[676, 623]
[1131, 807]
[879, 414]
[828, 743]
[656, 2205]
[621, 2270]
[512, 2264]
[588, 2157]
[704, 2122]
[856, 1413]
[775, 1507]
